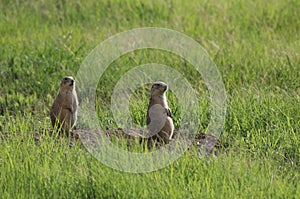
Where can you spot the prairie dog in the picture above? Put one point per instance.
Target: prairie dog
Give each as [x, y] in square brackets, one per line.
[159, 119]
[63, 112]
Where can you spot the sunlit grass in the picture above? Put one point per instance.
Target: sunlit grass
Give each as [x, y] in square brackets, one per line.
[255, 46]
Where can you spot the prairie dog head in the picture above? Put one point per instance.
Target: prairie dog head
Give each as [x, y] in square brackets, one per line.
[158, 94]
[67, 84]
[159, 89]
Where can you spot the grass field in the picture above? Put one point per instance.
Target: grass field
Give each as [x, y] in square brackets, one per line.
[255, 45]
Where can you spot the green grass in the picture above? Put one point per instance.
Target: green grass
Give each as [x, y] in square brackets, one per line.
[255, 45]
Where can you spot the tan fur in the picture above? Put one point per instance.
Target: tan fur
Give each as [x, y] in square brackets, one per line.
[63, 112]
[158, 97]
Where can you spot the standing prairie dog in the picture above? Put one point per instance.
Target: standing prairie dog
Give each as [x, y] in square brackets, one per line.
[63, 112]
[159, 119]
